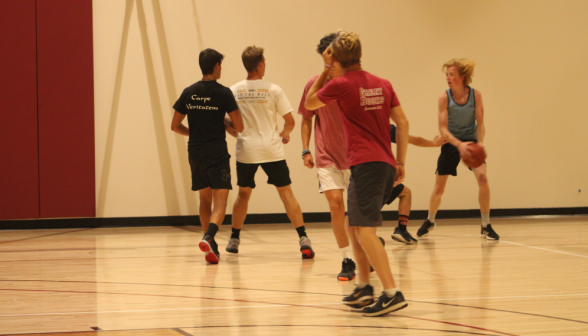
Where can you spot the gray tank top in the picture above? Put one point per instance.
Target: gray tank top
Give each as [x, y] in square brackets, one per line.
[462, 118]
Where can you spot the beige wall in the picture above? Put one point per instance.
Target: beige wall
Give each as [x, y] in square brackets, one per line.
[532, 72]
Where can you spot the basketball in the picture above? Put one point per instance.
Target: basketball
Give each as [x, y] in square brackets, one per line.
[477, 156]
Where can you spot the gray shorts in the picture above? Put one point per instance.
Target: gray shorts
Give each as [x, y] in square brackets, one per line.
[370, 186]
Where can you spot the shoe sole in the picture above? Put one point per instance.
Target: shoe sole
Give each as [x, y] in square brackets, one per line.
[307, 252]
[396, 307]
[401, 240]
[361, 302]
[345, 278]
[209, 255]
[232, 250]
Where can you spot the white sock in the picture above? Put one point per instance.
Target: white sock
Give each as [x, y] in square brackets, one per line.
[345, 252]
[362, 284]
[391, 292]
[485, 219]
[431, 217]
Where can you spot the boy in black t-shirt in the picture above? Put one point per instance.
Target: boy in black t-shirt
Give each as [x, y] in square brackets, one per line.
[206, 104]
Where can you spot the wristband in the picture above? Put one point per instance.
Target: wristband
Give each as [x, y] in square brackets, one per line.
[328, 66]
[304, 152]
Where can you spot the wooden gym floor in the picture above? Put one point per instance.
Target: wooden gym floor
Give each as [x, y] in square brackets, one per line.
[153, 281]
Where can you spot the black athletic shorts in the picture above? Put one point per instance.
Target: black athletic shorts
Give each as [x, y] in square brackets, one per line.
[395, 193]
[277, 173]
[449, 159]
[370, 187]
[212, 170]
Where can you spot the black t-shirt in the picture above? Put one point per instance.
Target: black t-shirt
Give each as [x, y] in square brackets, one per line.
[206, 103]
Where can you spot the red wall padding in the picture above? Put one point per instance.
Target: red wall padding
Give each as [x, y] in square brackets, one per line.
[19, 175]
[66, 108]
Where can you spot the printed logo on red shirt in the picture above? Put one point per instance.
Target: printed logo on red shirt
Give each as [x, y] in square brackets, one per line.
[371, 97]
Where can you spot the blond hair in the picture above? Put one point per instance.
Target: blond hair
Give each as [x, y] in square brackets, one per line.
[251, 57]
[346, 48]
[464, 66]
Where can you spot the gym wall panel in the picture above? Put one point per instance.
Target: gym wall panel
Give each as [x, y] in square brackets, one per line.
[66, 108]
[19, 175]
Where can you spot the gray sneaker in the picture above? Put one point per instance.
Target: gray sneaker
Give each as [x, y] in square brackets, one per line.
[233, 246]
[306, 248]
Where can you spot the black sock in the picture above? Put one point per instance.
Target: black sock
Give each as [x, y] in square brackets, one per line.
[301, 231]
[235, 233]
[212, 230]
[402, 221]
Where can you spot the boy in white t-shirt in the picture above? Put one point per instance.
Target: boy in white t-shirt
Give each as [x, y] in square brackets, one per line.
[261, 144]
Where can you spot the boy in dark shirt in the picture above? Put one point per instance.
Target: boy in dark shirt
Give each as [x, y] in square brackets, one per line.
[206, 104]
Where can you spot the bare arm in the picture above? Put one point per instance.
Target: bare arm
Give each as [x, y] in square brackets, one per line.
[480, 116]
[306, 132]
[312, 100]
[422, 142]
[177, 125]
[397, 115]
[236, 121]
[289, 124]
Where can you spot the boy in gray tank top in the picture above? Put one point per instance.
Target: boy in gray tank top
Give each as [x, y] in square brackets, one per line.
[461, 118]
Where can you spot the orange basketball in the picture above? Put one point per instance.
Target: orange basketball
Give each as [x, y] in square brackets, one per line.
[477, 156]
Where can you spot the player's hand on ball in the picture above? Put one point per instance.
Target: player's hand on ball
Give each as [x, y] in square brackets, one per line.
[308, 161]
[464, 151]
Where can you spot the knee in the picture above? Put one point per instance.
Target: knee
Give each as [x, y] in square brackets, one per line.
[244, 195]
[438, 191]
[406, 192]
[336, 204]
[205, 202]
[483, 180]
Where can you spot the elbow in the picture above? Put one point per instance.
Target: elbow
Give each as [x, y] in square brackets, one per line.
[174, 128]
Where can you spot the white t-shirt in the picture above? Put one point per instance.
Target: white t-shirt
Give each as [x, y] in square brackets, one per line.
[260, 102]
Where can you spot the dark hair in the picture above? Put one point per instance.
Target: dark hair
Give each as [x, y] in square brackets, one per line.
[208, 59]
[325, 43]
[251, 57]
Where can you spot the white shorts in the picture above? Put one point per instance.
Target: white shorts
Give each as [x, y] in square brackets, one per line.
[332, 178]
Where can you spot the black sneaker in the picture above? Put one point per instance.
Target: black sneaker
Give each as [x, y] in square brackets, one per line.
[402, 235]
[347, 270]
[209, 246]
[426, 228]
[386, 304]
[360, 297]
[489, 233]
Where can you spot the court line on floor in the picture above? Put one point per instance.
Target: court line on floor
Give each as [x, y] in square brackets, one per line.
[544, 249]
[43, 236]
[340, 295]
[247, 301]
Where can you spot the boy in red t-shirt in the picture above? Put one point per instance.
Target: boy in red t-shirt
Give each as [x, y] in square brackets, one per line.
[367, 103]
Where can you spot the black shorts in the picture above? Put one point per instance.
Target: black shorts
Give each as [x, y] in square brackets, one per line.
[213, 170]
[395, 193]
[370, 186]
[277, 173]
[449, 159]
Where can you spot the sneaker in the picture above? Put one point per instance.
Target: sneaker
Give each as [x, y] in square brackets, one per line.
[306, 248]
[233, 245]
[489, 233]
[426, 228]
[386, 304]
[403, 236]
[347, 270]
[360, 297]
[209, 246]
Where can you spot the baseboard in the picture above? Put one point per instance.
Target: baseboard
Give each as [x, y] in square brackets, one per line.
[313, 217]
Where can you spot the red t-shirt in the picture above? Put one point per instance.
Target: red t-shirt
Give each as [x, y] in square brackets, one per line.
[329, 137]
[365, 101]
